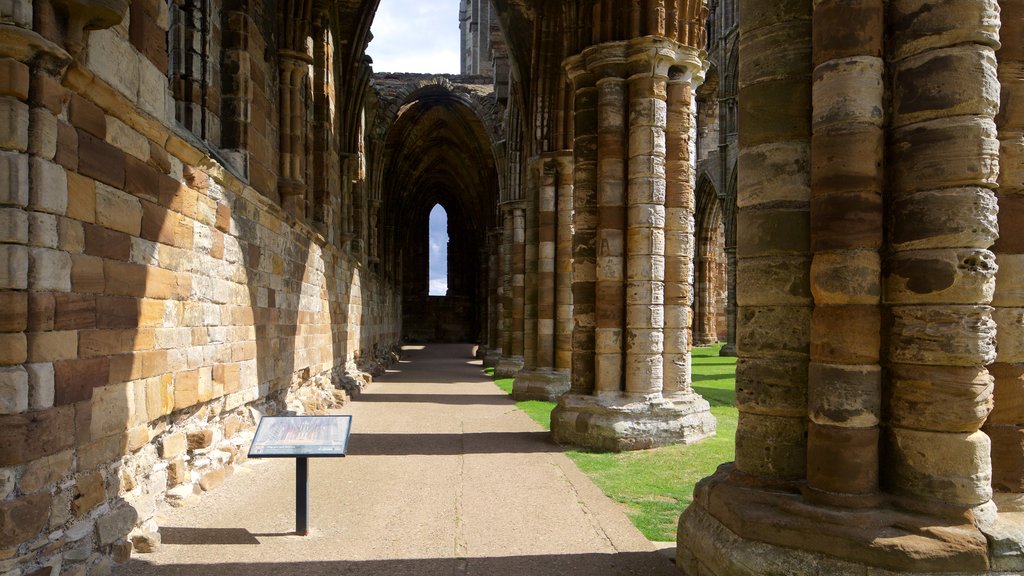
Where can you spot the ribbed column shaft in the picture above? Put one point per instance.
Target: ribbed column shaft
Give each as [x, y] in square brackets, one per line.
[940, 276]
[563, 264]
[773, 239]
[1005, 425]
[611, 241]
[494, 320]
[645, 222]
[531, 250]
[679, 241]
[506, 280]
[518, 259]
[546, 249]
[584, 225]
[844, 376]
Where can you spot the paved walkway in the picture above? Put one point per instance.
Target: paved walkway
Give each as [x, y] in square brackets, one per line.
[444, 476]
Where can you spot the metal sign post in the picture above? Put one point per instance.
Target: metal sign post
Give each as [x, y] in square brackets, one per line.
[302, 438]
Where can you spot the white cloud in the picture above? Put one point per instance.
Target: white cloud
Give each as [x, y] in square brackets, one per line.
[439, 287]
[416, 36]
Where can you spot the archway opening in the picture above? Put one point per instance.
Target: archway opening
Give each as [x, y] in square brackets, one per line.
[437, 239]
[710, 274]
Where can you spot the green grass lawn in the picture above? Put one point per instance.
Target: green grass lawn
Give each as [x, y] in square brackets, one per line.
[655, 485]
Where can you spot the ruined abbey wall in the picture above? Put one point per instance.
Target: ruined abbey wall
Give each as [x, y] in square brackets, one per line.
[155, 286]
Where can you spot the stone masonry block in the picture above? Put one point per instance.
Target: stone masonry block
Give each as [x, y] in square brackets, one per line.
[118, 210]
[13, 311]
[174, 444]
[23, 518]
[49, 270]
[111, 410]
[13, 267]
[13, 348]
[13, 226]
[47, 92]
[13, 125]
[42, 133]
[13, 390]
[100, 161]
[13, 79]
[42, 230]
[40, 385]
[13, 179]
[87, 116]
[27, 437]
[49, 191]
[116, 525]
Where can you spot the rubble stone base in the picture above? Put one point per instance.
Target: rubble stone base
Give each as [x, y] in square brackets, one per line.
[617, 422]
[540, 385]
[508, 366]
[734, 528]
[492, 357]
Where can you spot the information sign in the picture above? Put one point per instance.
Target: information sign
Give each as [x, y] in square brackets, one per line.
[302, 438]
[294, 436]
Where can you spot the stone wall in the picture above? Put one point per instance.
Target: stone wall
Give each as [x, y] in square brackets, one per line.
[153, 302]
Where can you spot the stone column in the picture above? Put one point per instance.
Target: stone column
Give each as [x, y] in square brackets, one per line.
[530, 263]
[939, 275]
[625, 405]
[609, 67]
[511, 360]
[921, 311]
[563, 264]
[679, 237]
[730, 307]
[1005, 425]
[584, 223]
[539, 380]
[772, 242]
[505, 366]
[844, 376]
[494, 297]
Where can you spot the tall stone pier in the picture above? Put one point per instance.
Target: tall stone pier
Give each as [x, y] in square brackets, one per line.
[633, 249]
[869, 169]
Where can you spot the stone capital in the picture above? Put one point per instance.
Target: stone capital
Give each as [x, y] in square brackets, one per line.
[661, 57]
[576, 70]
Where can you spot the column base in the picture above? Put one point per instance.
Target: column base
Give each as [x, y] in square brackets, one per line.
[728, 350]
[617, 422]
[492, 357]
[540, 385]
[737, 528]
[508, 366]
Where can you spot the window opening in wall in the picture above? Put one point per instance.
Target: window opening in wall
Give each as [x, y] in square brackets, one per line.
[416, 36]
[438, 238]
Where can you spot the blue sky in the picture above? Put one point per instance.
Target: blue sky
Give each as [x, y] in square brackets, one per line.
[438, 252]
[416, 36]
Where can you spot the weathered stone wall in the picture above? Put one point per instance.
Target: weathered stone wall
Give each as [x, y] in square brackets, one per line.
[151, 300]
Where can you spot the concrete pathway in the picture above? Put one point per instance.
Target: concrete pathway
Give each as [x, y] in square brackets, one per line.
[444, 476]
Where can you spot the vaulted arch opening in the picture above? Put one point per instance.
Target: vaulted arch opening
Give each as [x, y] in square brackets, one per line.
[438, 155]
[710, 269]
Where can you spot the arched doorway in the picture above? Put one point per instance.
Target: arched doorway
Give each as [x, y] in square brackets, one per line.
[710, 269]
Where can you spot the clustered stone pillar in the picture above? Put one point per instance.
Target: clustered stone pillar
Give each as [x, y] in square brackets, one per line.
[294, 68]
[563, 264]
[940, 275]
[540, 380]
[895, 475]
[514, 244]
[622, 400]
[1005, 425]
[845, 375]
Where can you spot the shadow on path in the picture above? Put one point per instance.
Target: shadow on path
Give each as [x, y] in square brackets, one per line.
[621, 564]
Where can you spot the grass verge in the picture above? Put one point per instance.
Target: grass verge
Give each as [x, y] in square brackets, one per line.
[656, 485]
